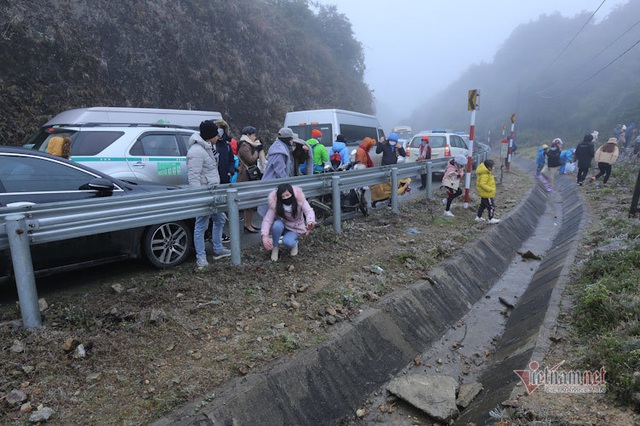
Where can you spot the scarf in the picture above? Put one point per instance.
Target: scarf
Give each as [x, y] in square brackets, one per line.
[366, 152]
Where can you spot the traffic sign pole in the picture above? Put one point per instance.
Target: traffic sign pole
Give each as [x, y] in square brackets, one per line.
[467, 181]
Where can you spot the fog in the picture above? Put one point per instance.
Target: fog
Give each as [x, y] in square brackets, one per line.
[415, 48]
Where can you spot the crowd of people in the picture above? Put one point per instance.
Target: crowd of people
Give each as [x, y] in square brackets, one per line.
[214, 157]
[551, 160]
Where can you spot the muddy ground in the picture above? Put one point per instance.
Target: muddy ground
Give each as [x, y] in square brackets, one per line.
[128, 349]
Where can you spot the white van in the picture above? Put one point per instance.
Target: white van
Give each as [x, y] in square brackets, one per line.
[354, 126]
[132, 144]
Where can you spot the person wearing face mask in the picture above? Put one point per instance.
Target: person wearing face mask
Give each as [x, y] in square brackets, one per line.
[290, 215]
[202, 171]
[390, 150]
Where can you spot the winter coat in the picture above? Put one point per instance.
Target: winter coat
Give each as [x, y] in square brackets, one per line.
[584, 154]
[296, 224]
[541, 158]
[226, 166]
[553, 157]
[202, 163]
[390, 153]
[425, 152]
[452, 175]
[607, 157]
[486, 183]
[249, 154]
[362, 153]
[341, 148]
[565, 156]
[279, 161]
[320, 155]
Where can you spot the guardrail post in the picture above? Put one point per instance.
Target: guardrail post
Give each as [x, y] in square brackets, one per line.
[23, 270]
[234, 225]
[394, 189]
[429, 181]
[335, 200]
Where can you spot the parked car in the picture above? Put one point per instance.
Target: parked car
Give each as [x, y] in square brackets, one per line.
[133, 144]
[34, 177]
[444, 144]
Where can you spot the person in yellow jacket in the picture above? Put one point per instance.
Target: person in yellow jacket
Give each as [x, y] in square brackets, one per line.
[486, 187]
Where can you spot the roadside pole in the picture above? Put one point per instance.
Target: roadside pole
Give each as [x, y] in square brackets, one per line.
[504, 151]
[472, 106]
[513, 125]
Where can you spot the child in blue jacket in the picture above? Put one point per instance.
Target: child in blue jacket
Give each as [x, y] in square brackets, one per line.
[541, 159]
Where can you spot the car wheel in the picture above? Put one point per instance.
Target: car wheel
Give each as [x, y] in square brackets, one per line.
[168, 244]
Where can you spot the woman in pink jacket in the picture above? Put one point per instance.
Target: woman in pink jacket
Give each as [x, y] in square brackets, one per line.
[289, 216]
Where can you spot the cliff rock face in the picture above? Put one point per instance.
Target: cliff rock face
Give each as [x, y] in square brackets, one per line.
[252, 60]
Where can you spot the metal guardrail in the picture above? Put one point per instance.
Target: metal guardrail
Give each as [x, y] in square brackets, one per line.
[71, 219]
[23, 226]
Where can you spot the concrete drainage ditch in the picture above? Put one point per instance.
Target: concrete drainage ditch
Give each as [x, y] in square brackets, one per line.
[326, 384]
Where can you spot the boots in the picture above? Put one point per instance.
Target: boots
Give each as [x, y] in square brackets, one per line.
[274, 254]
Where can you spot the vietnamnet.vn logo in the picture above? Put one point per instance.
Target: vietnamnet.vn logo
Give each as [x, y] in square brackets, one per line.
[554, 380]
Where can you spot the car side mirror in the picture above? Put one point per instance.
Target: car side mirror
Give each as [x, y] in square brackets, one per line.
[103, 186]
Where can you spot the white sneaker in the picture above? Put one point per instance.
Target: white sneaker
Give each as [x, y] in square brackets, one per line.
[494, 221]
[480, 219]
[201, 262]
[274, 254]
[294, 250]
[447, 213]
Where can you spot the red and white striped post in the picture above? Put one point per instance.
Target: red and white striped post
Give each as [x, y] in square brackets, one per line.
[513, 125]
[472, 105]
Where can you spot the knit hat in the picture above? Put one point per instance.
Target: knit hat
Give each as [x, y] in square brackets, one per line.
[315, 133]
[612, 140]
[340, 138]
[249, 130]
[208, 130]
[285, 133]
[461, 160]
[425, 138]
[545, 146]
[393, 137]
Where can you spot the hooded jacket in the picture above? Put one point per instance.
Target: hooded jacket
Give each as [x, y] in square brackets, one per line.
[452, 175]
[565, 156]
[341, 148]
[362, 153]
[608, 157]
[486, 183]
[202, 163]
[320, 155]
[390, 153]
[279, 161]
[541, 157]
[226, 163]
[584, 154]
[295, 224]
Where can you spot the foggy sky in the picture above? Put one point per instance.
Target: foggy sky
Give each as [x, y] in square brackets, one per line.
[414, 48]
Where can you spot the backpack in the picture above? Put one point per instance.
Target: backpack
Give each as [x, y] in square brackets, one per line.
[335, 160]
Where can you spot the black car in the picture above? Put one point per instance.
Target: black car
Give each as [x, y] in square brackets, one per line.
[35, 177]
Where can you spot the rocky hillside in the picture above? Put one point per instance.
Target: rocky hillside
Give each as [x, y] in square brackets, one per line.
[252, 60]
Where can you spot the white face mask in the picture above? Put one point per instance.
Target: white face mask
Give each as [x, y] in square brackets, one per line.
[392, 143]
